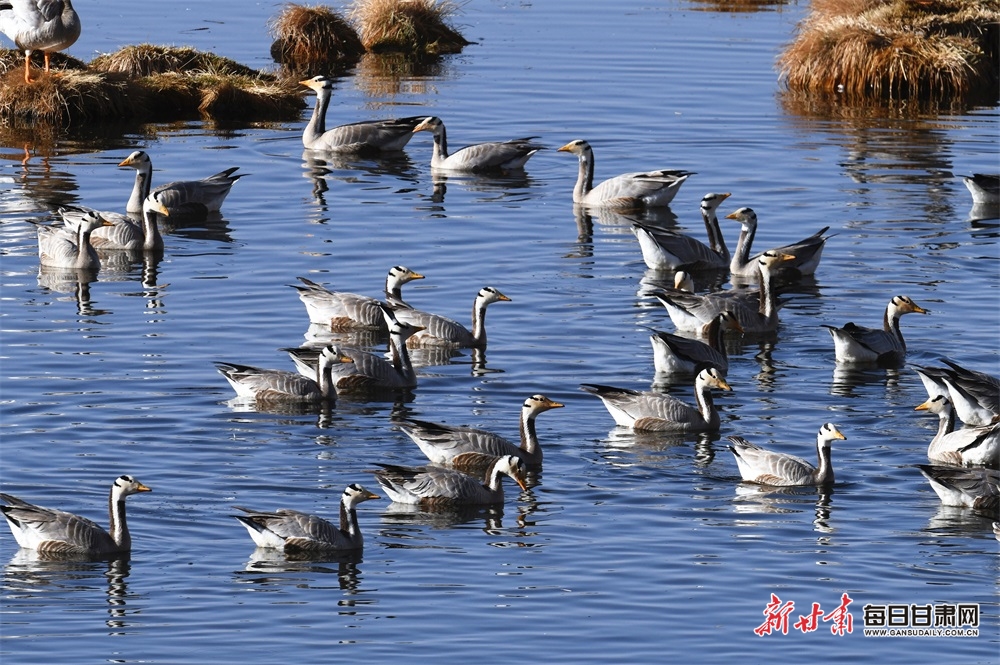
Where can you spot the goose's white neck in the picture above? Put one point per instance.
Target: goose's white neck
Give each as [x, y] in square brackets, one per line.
[890, 324]
[585, 176]
[479, 322]
[151, 238]
[741, 255]
[440, 150]
[141, 187]
[716, 241]
[706, 404]
[117, 524]
[317, 123]
[529, 438]
[824, 472]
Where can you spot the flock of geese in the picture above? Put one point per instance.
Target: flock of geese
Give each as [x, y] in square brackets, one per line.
[466, 465]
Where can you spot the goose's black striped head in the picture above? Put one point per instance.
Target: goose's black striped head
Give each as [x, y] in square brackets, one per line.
[126, 485]
[318, 83]
[903, 305]
[712, 200]
[829, 433]
[355, 494]
[745, 216]
[488, 295]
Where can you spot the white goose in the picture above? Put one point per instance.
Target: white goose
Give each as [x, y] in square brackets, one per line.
[368, 136]
[341, 310]
[658, 412]
[629, 191]
[441, 487]
[301, 533]
[183, 198]
[39, 25]
[671, 250]
[437, 330]
[756, 312]
[767, 467]
[966, 446]
[275, 385]
[54, 532]
[69, 247]
[479, 157]
[124, 233]
[673, 354]
[975, 487]
[806, 252]
[886, 347]
[447, 444]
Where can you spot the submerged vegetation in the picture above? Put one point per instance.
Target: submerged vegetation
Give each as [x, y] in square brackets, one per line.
[896, 49]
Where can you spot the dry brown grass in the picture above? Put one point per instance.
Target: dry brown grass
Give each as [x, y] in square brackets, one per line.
[411, 26]
[893, 49]
[148, 59]
[313, 38]
[146, 84]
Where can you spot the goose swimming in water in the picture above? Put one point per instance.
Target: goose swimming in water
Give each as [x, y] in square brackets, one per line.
[479, 157]
[341, 310]
[301, 533]
[806, 253]
[885, 347]
[54, 532]
[183, 198]
[123, 233]
[672, 250]
[965, 446]
[437, 330]
[69, 246]
[766, 467]
[629, 191]
[275, 385]
[432, 486]
[365, 137]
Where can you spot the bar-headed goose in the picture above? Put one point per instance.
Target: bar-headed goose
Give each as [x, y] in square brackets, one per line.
[673, 354]
[976, 487]
[301, 533]
[275, 385]
[806, 253]
[433, 486]
[756, 311]
[671, 250]
[984, 187]
[767, 467]
[885, 346]
[365, 137]
[183, 198]
[479, 157]
[437, 330]
[629, 191]
[446, 444]
[58, 533]
[69, 246]
[341, 310]
[965, 446]
[659, 412]
[124, 232]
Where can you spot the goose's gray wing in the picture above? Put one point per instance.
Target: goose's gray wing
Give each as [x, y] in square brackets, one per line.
[437, 329]
[441, 443]
[369, 135]
[56, 531]
[208, 193]
[339, 309]
[768, 467]
[494, 155]
[298, 530]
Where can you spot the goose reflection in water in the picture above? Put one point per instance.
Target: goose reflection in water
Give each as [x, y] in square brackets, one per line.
[753, 499]
[269, 569]
[70, 580]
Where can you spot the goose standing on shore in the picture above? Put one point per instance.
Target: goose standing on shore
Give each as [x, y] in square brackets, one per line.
[446, 444]
[479, 157]
[437, 330]
[965, 446]
[51, 531]
[806, 253]
[885, 347]
[671, 250]
[70, 247]
[341, 310]
[275, 385]
[658, 412]
[301, 533]
[39, 25]
[767, 467]
[434, 486]
[183, 198]
[629, 191]
[365, 137]
[756, 312]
